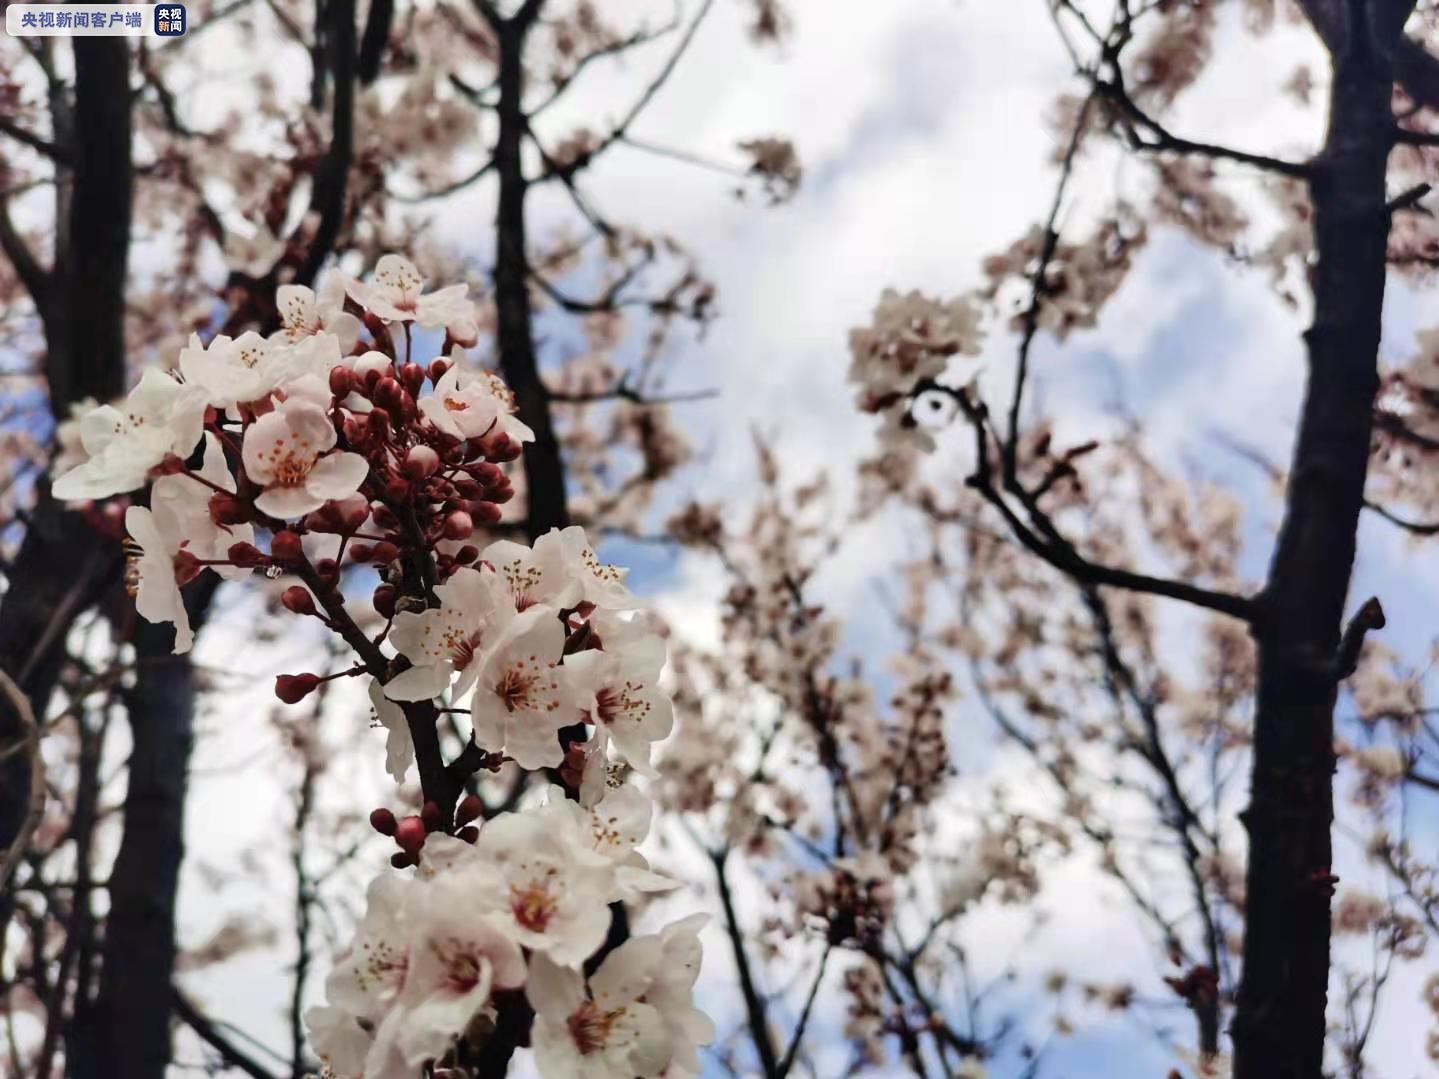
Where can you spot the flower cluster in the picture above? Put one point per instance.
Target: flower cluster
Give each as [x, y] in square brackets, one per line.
[326, 443]
[325, 434]
[519, 910]
[907, 347]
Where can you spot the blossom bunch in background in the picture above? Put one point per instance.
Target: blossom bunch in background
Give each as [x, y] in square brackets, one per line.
[330, 443]
[903, 353]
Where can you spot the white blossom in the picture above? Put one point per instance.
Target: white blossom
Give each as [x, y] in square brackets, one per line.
[285, 451]
[305, 313]
[457, 959]
[545, 898]
[603, 1030]
[399, 746]
[518, 706]
[158, 418]
[397, 295]
[469, 404]
[448, 642]
[155, 569]
[535, 575]
[617, 689]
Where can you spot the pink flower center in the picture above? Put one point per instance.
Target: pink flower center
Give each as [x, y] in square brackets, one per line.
[462, 647]
[533, 905]
[523, 685]
[621, 702]
[590, 1027]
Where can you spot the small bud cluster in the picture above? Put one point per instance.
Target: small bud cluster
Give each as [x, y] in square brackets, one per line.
[328, 444]
[903, 352]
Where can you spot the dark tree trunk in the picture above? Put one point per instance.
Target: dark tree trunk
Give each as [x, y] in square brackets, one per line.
[63, 565]
[125, 1034]
[1279, 1026]
[544, 467]
[86, 335]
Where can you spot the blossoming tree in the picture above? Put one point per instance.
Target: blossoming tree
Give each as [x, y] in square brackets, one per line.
[251, 183]
[348, 449]
[1275, 689]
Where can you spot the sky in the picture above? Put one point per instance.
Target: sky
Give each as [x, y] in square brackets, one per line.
[920, 126]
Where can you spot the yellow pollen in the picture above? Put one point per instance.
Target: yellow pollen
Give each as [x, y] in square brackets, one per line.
[532, 905]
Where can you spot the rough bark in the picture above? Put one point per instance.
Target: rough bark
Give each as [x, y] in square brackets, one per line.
[62, 564]
[125, 1034]
[544, 467]
[1279, 1025]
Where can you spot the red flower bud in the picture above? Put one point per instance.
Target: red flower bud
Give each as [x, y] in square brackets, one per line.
[410, 835]
[246, 555]
[384, 600]
[484, 512]
[467, 554]
[572, 767]
[293, 688]
[361, 552]
[468, 489]
[376, 325]
[503, 448]
[487, 473]
[438, 368]
[385, 518]
[385, 551]
[187, 567]
[421, 462]
[322, 520]
[228, 510]
[469, 833]
[378, 421]
[457, 526]
[383, 821]
[341, 381]
[170, 466]
[351, 512]
[397, 490]
[387, 393]
[500, 494]
[373, 372]
[297, 599]
[412, 377]
[431, 817]
[469, 809]
[285, 546]
[400, 860]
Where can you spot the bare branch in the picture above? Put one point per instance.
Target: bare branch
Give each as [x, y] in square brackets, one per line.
[756, 1011]
[1417, 70]
[210, 1033]
[35, 142]
[1369, 617]
[625, 392]
[29, 744]
[33, 276]
[622, 128]
[1148, 134]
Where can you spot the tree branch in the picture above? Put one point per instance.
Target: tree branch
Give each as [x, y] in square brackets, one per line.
[41, 146]
[210, 1033]
[565, 172]
[1161, 140]
[35, 278]
[29, 745]
[756, 1012]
